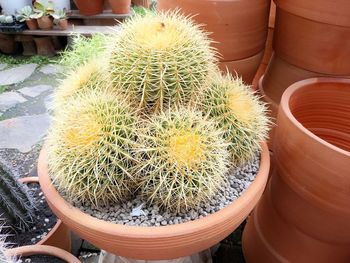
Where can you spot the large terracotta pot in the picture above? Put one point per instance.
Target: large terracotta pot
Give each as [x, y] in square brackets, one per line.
[156, 243]
[238, 26]
[27, 251]
[89, 7]
[304, 215]
[312, 45]
[60, 235]
[120, 6]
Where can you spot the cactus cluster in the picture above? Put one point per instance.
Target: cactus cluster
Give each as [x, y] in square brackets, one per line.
[184, 159]
[90, 148]
[239, 112]
[153, 118]
[161, 60]
[16, 204]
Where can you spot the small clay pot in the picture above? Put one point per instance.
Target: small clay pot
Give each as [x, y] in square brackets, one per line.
[143, 3]
[304, 215]
[156, 243]
[89, 7]
[32, 24]
[120, 6]
[33, 250]
[45, 22]
[238, 27]
[60, 235]
[8, 44]
[45, 46]
[63, 24]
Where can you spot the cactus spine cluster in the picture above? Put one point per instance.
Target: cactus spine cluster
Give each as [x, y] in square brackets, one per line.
[239, 112]
[90, 156]
[183, 159]
[3, 249]
[16, 204]
[161, 60]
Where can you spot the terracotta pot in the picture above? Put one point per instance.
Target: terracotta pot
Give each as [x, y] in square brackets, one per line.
[238, 26]
[32, 24]
[304, 215]
[143, 3]
[246, 68]
[7, 44]
[59, 236]
[91, 7]
[311, 45]
[325, 11]
[120, 6]
[45, 46]
[28, 44]
[156, 243]
[45, 22]
[27, 251]
[63, 24]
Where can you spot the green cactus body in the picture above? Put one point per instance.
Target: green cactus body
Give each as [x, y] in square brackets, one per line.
[90, 147]
[239, 112]
[183, 159]
[16, 204]
[160, 59]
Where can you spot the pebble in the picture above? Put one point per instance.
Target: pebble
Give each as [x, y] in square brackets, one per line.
[239, 179]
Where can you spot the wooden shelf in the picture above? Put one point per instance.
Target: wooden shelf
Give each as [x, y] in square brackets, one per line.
[107, 14]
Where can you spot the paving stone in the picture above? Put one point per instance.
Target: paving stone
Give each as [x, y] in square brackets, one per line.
[51, 69]
[2, 66]
[35, 91]
[17, 74]
[22, 133]
[10, 99]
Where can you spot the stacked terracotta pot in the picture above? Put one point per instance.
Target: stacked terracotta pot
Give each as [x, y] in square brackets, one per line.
[311, 38]
[304, 214]
[238, 26]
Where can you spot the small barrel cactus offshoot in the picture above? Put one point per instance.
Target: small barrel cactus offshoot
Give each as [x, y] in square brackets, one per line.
[160, 59]
[16, 204]
[240, 113]
[90, 148]
[183, 159]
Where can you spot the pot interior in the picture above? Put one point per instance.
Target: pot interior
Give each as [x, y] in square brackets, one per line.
[324, 109]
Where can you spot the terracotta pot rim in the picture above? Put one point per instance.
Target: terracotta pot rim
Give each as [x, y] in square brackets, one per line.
[243, 59]
[153, 232]
[35, 179]
[284, 105]
[42, 250]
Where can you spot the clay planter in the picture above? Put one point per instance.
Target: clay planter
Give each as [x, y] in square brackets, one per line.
[246, 68]
[8, 44]
[27, 251]
[120, 6]
[143, 3]
[44, 46]
[156, 243]
[45, 22]
[238, 26]
[59, 236]
[312, 45]
[89, 7]
[32, 24]
[63, 24]
[304, 215]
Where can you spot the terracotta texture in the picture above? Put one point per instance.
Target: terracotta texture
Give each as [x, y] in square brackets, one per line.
[238, 26]
[246, 68]
[304, 215]
[311, 45]
[44, 46]
[59, 236]
[32, 24]
[334, 12]
[26, 251]
[144, 3]
[120, 6]
[45, 22]
[155, 243]
[89, 7]
[63, 24]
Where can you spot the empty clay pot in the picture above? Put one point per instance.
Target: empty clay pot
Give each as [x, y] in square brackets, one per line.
[89, 7]
[143, 3]
[120, 6]
[33, 250]
[238, 26]
[32, 24]
[156, 243]
[304, 214]
[245, 68]
[312, 45]
[45, 22]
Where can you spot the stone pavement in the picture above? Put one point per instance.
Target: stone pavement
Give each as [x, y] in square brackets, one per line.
[24, 118]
